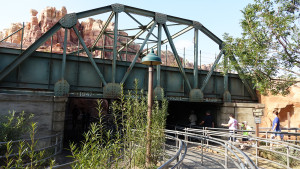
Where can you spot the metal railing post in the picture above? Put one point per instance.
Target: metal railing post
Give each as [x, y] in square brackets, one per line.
[267, 137]
[185, 136]
[202, 150]
[287, 157]
[256, 153]
[177, 139]
[226, 155]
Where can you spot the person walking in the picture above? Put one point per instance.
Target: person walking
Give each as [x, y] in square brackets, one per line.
[245, 139]
[233, 126]
[208, 120]
[275, 127]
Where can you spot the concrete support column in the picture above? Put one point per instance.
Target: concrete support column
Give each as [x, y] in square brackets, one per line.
[59, 109]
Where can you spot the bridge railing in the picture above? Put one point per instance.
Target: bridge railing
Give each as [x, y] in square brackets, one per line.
[52, 144]
[264, 148]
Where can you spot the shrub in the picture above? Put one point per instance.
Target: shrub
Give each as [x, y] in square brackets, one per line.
[122, 143]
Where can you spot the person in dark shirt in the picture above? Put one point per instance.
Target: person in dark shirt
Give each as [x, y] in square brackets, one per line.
[208, 120]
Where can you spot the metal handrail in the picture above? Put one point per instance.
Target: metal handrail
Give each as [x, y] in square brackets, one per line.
[224, 132]
[181, 146]
[224, 144]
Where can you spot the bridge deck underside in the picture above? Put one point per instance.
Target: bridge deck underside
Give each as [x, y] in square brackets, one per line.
[39, 73]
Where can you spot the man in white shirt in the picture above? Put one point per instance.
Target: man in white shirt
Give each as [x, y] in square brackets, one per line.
[193, 118]
[233, 125]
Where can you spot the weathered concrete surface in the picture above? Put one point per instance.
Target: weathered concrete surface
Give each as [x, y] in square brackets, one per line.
[48, 111]
[242, 112]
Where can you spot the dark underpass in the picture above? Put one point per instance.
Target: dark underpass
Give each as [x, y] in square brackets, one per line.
[81, 112]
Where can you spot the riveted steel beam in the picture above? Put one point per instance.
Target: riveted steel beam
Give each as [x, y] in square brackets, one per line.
[133, 18]
[176, 56]
[241, 75]
[158, 53]
[103, 29]
[136, 36]
[115, 48]
[29, 51]
[173, 37]
[63, 65]
[138, 53]
[176, 20]
[90, 56]
[93, 12]
[195, 58]
[211, 71]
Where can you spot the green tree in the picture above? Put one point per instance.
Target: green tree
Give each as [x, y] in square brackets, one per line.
[268, 51]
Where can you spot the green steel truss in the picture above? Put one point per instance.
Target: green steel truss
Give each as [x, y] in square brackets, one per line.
[45, 73]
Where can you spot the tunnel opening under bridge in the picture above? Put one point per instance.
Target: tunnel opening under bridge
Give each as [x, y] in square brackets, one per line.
[179, 113]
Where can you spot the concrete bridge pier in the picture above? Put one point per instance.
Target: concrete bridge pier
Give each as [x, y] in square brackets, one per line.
[49, 111]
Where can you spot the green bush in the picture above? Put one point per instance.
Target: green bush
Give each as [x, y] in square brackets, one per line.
[122, 143]
[13, 126]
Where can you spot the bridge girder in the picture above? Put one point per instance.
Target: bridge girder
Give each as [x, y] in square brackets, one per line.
[69, 21]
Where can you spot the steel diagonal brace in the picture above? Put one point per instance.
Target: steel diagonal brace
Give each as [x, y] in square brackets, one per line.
[92, 48]
[138, 53]
[103, 30]
[241, 75]
[173, 37]
[139, 23]
[176, 56]
[137, 36]
[211, 70]
[14, 64]
[89, 56]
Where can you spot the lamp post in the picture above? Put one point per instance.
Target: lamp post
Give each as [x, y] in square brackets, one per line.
[151, 59]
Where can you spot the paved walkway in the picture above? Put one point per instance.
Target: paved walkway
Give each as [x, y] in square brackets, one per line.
[193, 159]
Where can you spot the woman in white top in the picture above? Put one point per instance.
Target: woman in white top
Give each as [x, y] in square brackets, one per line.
[233, 125]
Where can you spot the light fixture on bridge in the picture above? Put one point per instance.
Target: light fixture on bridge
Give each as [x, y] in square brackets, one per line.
[151, 59]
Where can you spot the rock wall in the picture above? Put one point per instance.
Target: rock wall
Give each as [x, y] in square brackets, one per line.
[289, 103]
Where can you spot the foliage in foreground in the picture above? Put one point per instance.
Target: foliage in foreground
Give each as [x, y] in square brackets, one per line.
[13, 126]
[268, 51]
[122, 143]
[22, 154]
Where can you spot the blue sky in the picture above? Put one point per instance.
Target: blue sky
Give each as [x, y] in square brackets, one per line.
[219, 16]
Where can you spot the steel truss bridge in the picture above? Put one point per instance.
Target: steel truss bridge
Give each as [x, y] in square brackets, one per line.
[46, 73]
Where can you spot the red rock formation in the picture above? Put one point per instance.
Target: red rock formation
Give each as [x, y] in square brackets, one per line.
[289, 103]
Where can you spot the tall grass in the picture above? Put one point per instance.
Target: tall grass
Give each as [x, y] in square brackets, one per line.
[122, 143]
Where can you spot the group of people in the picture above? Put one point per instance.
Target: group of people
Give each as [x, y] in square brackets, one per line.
[207, 121]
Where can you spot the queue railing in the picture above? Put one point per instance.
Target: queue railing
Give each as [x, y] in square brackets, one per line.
[288, 152]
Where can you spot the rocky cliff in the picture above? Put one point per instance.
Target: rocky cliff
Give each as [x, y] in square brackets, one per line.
[289, 103]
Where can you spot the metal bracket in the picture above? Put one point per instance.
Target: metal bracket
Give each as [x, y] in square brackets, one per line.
[112, 91]
[197, 25]
[117, 7]
[68, 21]
[61, 88]
[160, 18]
[158, 93]
[196, 95]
